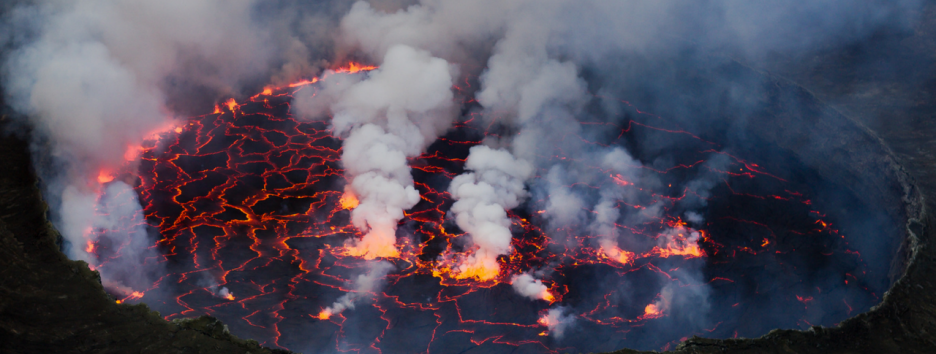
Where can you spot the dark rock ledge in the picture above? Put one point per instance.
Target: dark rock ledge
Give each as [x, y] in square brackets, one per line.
[50, 304]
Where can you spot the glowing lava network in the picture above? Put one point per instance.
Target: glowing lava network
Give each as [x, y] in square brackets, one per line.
[251, 199]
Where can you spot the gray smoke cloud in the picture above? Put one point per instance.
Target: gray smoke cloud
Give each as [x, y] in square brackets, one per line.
[363, 285]
[115, 238]
[557, 321]
[93, 80]
[493, 185]
[532, 86]
[391, 115]
[533, 288]
[95, 77]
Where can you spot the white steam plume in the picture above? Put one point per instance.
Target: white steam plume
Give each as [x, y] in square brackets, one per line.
[621, 170]
[564, 207]
[534, 93]
[448, 29]
[114, 218]
[364, 285]
[530, 287]
[482, 196]
[392, 115]
[93, 81]
[97, 76]
[557, 321]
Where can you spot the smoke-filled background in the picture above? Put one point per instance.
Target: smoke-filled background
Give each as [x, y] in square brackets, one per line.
[540, 83]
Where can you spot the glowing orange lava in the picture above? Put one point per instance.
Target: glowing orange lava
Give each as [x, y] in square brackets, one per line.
[548, 296]
[355, 67]
[133, 296]
[348, 201]
[474, 267]
[681, 242]
[620, 180]
[544, 320]
[303, 82]
[231, 104]
[691, 250]
[235, 192]
[619, 255]
[104, 177]
[378, 243]
[652, 311]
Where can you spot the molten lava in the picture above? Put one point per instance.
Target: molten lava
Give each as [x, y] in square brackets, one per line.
[253, 199]
[380, 244]
[355, 68]
[619, 255]
[348, 201]
[231, 104]
[104, 177]
[652, 311]
[478, 268]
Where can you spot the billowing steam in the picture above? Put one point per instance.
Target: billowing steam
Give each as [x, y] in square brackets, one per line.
[114, 222]
[390, 116]
[556, 320]
[530, 287]
[364, 285]
[96, 78]
[494, 185]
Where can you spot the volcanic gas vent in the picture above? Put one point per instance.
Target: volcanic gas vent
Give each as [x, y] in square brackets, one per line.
[255, 213]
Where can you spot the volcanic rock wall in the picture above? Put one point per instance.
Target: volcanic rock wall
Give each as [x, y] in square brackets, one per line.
[50, 304]
[888, 109]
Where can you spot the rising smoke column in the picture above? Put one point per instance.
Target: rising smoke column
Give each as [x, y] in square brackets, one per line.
[526, 285]
[93, 79]
[483, 195]
[385, 118]
[364, 285]
[97, 78]
[527, 88]
[621, 172]
[523, 88]
[117, 221]
[556, 320]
